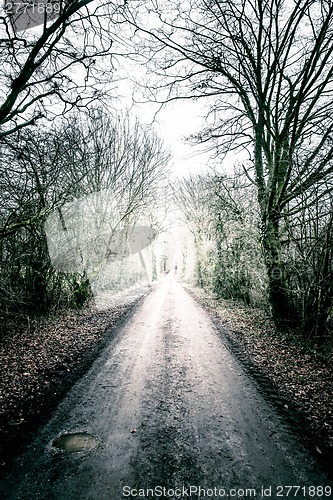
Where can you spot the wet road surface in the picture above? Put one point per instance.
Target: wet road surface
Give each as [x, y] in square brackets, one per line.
[173, 409]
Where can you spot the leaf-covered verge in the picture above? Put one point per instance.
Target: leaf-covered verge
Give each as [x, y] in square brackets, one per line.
[39, 364]
[298, 375]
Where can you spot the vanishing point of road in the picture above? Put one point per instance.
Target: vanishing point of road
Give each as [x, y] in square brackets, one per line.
[175, 416]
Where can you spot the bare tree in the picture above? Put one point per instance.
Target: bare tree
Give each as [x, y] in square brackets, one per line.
[192, 197]
[265, 69]
[125, 170]
[61, 64]
[220, 212]
[99, 176]
[308, 256]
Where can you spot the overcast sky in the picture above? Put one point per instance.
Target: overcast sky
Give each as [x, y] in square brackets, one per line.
[174, 122]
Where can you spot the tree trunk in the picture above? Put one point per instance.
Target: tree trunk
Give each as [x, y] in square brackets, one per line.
[282, 309]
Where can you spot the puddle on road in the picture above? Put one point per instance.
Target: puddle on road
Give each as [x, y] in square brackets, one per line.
[76, 441]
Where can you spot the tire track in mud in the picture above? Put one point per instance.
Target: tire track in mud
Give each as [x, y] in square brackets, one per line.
[168, 454]
[172, 408]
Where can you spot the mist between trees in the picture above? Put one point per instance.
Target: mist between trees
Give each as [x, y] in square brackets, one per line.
[224, 218]
[96, 177]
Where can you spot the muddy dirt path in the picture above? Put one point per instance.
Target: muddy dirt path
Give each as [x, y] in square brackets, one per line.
[173, 409]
